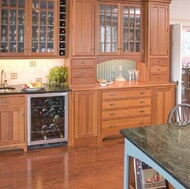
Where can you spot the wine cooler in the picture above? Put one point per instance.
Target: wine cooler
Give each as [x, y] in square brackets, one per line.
[47, 118]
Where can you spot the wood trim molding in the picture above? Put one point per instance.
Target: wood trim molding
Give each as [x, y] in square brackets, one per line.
[159, 1]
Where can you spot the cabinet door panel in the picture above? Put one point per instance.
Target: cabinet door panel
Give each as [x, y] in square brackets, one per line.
[85, 114]
[159, 23]
[83, 27]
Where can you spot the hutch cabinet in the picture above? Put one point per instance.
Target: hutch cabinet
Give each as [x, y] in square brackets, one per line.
[30, 28]
[13, 121]
[82, 65]
[157, 41]
[85, 114]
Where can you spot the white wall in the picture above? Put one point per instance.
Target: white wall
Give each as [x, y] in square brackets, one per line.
[180, 12]
[26, 73]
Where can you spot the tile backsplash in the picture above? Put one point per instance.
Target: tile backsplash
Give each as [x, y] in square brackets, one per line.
[27, 70]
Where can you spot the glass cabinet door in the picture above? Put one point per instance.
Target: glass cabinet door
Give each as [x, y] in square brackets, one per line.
[119, 29]
[131, 29]
[42, 28]
[12, 13]
[108, 28]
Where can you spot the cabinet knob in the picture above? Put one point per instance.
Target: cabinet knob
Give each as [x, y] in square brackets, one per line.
[141, 111]
[83, 62]
[158, 69]
[83, 71]
[141, 92]
[76, 100]
[4, 101]
[142, 122]
[141, 102]
[112, 94]
[111, 126]
[82, 80]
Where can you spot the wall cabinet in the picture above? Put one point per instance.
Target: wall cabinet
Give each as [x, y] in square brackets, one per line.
[12, 122]
[85, 114]
[29, 28]
[120, 30]
[82, 27]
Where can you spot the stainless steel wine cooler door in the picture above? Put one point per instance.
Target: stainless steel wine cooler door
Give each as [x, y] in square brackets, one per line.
[47, 118]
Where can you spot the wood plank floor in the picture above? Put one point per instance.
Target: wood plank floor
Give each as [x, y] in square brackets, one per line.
[90, 167]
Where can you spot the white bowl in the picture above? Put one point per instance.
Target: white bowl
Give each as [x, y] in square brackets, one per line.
[103, 84]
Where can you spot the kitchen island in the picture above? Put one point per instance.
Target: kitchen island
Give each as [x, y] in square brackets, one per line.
[165, 147]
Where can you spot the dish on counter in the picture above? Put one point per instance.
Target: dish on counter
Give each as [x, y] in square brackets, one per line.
[33, 89]
[109, 82]
[103, 83]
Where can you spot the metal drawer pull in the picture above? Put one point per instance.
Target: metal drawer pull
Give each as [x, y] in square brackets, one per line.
[141, 92]
[112, 94]
[4, 101]
[141, 102]
[142, 122]
[83, 71]
[158, 69]
[111, 126]
[112, 114]
[142, 111]
[112, 104]
[82, 80]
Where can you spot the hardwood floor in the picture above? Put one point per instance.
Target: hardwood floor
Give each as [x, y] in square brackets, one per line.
[90, 167]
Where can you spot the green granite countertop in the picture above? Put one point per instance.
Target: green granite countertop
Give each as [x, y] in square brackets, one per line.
[168, 145]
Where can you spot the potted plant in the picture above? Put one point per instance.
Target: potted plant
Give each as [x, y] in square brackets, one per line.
[58, 76]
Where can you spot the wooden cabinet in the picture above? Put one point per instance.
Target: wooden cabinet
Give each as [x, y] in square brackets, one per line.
[29, 28]
[85, 114]
[157, 41]
[163, 101]
[83, 27]
[12, 122]
[124, 108]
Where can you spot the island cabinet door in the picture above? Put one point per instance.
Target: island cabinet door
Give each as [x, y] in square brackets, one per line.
[163, 101]
[85, 119]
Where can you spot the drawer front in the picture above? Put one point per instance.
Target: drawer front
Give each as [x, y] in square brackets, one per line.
[12, 101]
[126, 112]
[159, 78]
[82, 71]
[83, 62]
[158, 69]
[127, 122]
[113, 127]
[126, 103]
[126, 94]
[82, 80]
[159, 61]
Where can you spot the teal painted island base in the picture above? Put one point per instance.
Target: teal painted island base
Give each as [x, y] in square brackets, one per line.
[166, 148]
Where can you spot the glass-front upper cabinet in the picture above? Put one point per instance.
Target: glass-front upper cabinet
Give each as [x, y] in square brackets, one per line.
[12, 21]
[29, 27]
[42, 30]
[119, 29]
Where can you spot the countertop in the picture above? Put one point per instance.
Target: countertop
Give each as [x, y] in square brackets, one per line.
[168, 145]
[20, 90]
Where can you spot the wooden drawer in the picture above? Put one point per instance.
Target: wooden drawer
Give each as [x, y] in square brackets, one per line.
[82, 62]
[127, 122]
[12, 101]
[82, 71]
[126, 103]
[126, 94]
[159, 78]
[112, 127]
[159, 61]
[126, 112]
[159, 69]
[83, 80]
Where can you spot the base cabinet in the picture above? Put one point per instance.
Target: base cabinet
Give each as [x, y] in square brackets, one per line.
[12, 122]
[163, 102]
[85, 114]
